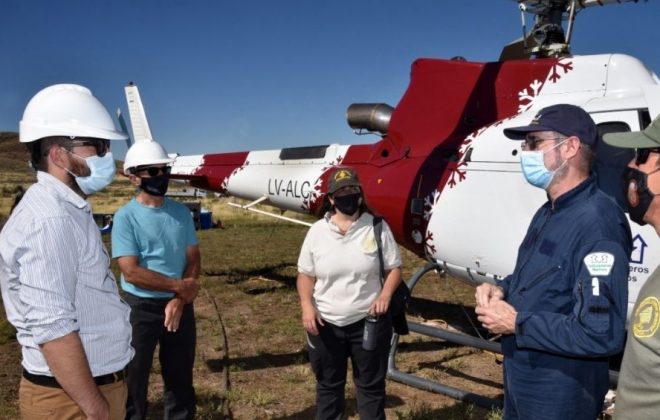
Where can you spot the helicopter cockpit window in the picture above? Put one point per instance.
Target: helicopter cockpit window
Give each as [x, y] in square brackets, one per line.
[610, 162]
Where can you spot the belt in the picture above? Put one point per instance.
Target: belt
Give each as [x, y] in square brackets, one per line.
[51, 382]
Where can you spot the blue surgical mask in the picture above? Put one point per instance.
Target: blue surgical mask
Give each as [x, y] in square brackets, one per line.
[533, 167]
[102, 170]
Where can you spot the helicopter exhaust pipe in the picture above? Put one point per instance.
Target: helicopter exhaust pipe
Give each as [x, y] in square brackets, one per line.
[370, 117]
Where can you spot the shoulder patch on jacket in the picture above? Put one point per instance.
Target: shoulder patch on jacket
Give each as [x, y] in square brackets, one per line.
[599, 263]
[647, 318]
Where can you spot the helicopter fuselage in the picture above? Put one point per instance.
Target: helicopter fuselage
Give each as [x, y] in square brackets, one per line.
[444, 176]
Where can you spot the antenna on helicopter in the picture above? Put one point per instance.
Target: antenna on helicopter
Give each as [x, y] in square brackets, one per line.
[547, 37]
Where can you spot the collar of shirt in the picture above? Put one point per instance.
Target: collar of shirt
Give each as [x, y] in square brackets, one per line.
[364, 219]
[61, 190]
[574, 196]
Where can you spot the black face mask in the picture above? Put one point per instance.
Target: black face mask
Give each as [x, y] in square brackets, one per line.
[637, 193]
[348, 204]
[155, 185]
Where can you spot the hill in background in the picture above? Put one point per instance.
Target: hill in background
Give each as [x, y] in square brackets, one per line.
[14, 159]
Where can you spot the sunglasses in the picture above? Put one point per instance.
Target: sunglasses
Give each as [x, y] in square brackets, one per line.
[532, 142]
[101, 146]
[155, 170]
[642, 155]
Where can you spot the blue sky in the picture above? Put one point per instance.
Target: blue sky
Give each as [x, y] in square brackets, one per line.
[218, 76]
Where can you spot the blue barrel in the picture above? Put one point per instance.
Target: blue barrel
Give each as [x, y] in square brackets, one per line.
[206, 220]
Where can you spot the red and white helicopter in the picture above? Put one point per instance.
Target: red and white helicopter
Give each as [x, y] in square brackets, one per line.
[443, 175]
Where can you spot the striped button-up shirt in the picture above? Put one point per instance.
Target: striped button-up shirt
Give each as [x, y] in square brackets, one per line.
[55, 278]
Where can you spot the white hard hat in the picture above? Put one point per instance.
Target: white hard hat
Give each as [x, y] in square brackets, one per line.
[67, 110]
[145, 152]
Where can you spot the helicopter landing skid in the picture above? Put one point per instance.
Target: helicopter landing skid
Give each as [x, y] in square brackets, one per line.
[450, 337]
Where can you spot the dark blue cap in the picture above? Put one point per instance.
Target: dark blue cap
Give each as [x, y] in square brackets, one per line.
[569, 120]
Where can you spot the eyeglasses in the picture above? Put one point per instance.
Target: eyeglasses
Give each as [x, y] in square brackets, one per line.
[101, 146]
[154, 170]
[642, 155]
[532, 142]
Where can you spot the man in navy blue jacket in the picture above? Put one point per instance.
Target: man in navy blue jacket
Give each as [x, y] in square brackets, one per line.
[563, 310]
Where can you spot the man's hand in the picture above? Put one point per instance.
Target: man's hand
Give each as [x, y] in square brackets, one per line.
[310, 316]
[173, 313]
[187, 289]
[101, 413]
[499, 317]
[487, 293]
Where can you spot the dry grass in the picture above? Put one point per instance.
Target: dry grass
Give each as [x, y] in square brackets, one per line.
[249, 270]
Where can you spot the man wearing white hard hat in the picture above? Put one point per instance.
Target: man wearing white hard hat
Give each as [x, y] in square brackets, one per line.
[154, 242]
[55, 274]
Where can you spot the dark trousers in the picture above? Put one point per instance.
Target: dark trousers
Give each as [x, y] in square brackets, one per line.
[176, 355]
[535, 389]
[329, 352]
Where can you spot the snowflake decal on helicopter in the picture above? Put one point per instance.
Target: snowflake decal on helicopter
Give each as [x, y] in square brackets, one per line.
[316, 192]
[566, 66]
[468, 141]
[428, 243]
[528, 95]
[457, 174]
[429, 202]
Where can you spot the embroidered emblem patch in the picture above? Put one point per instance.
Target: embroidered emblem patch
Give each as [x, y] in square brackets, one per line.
[599, 263]
[647, 318]
[342, 174]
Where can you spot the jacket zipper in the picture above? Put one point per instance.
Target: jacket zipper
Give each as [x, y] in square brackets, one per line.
[579, 314]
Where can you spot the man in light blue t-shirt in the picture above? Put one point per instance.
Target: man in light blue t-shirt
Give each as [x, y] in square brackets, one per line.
[154, 242]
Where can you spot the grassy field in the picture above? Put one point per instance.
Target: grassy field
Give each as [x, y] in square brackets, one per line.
[251, 360]
[262, 370]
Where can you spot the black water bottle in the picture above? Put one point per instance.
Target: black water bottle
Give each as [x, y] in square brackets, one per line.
[370, 334]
